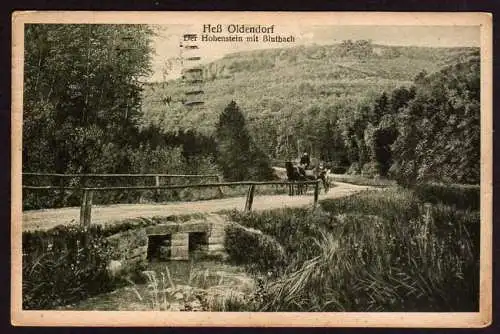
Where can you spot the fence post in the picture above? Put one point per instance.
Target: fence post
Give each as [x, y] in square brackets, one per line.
[157, 192]
[86, 208]
[249, 202]
[220, 179]
[316, 193]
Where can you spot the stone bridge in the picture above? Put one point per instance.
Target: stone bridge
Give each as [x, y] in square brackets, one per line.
[168, 240]
[174, 240]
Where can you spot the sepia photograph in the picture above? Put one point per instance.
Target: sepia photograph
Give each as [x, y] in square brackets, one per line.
[251, 169]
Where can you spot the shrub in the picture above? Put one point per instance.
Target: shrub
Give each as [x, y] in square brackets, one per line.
[64, 265]
[353, 169]
[370, 169]
[338, 169]
[294, 228]
[460, 196]
[251, 247]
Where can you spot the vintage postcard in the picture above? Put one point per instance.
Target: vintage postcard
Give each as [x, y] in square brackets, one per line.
[291, 169]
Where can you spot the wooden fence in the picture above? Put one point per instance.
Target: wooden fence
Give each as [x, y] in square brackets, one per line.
[83, 178]
[104, 176]
[86, 202]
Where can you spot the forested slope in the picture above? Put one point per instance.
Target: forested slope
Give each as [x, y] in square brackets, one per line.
[295, 97]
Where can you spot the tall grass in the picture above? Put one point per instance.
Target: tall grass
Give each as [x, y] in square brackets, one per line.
[363, 180]
[203, 290]
[376, 251]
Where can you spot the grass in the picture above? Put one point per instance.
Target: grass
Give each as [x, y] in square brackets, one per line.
[374, 251]
[199, 285]
[202, 289]
[363, 180]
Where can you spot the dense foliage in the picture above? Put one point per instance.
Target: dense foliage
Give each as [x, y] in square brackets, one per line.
[376, 251]
[240, 239]
[64, 265]
[82, 95]
[440, 128]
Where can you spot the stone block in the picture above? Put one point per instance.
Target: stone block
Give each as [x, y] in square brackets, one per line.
[179, 253]
[195, 226]
[178, 239]
[215, 247]
[180, 246]
[162, 229]
[216, 232]
[216, 240]
[141, 251]
[114, 268]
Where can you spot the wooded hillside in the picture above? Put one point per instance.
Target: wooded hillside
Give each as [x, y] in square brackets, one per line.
[318, 98]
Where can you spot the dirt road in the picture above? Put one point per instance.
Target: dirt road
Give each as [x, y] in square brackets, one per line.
[48, 218]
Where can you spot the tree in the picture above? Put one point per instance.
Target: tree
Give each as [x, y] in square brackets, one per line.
[233, 143]
[380, 108]
[439, 129]
[82, 94]
[237, 155]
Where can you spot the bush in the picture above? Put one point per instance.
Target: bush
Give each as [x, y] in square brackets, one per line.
[370, 169]
[64, 265]
[460, 196]
[295, 229]
[338, 169]
[251, 247]
[354, 169]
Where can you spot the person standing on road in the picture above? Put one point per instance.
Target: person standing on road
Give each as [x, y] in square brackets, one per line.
[304, 163]
[305, 160]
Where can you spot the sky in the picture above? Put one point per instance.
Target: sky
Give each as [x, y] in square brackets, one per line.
[167, 42]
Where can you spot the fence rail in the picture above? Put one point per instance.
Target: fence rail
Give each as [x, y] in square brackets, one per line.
[123, 175]
[86, 202]
[84, 178]
[176, 186]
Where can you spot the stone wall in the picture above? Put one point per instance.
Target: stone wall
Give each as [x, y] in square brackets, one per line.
[129, 251]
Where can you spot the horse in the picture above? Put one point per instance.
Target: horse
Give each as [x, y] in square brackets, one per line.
[293, 174]
[296, 173]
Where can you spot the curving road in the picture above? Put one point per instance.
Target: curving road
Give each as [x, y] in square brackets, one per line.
[48, 218]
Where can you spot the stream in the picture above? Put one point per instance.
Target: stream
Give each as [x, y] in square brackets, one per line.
[195, 285]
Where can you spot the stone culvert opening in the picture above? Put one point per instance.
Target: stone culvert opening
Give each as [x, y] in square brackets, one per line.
[198, 241]
[159, 247]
